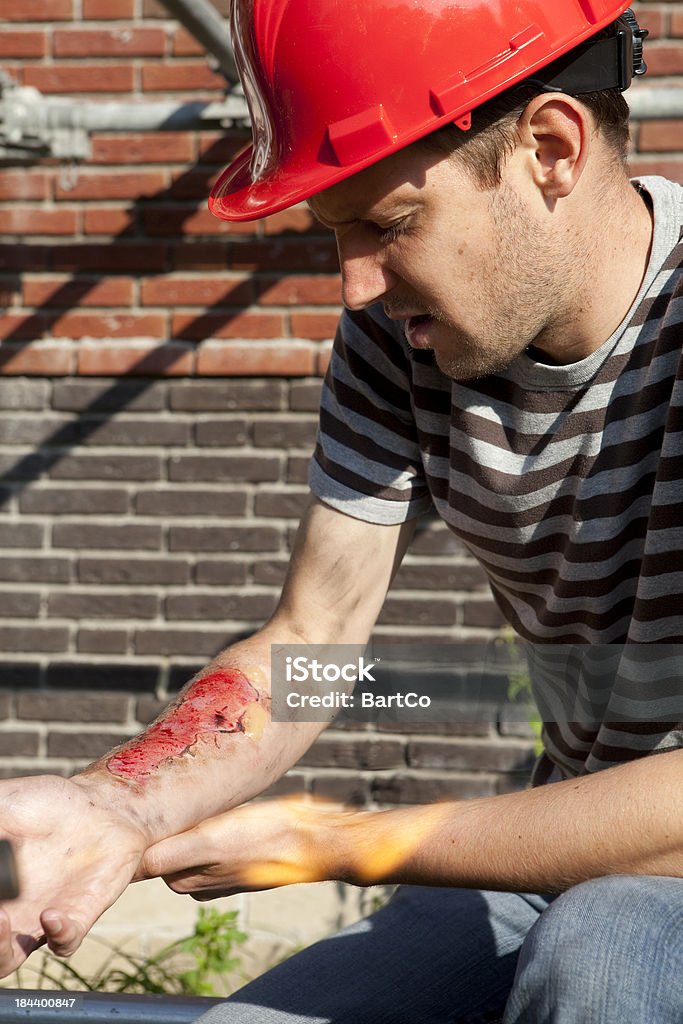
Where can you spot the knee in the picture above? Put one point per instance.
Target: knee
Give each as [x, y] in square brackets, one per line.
[611, 919]
[618, 938]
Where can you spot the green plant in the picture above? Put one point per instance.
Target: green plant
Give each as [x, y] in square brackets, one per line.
[187, 966]
[520, 690]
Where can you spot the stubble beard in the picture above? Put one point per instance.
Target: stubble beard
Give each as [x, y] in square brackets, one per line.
[524, 299]
[467, 356]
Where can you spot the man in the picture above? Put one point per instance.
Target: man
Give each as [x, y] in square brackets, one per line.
[509, 354]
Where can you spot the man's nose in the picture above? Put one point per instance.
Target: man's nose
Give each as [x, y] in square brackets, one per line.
[365, 278]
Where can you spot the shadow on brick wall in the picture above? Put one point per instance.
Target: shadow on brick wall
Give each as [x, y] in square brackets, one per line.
[192, 187]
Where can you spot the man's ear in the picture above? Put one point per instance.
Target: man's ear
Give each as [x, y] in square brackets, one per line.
[557, 131]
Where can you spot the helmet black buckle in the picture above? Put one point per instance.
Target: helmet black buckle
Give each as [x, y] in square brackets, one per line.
[598, 64]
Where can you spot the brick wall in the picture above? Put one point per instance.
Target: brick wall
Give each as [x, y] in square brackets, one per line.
[160, 373]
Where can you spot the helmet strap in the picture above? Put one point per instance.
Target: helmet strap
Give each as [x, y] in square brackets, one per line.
[598, 64]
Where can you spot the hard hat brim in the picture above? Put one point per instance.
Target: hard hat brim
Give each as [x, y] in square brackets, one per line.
[237, 197]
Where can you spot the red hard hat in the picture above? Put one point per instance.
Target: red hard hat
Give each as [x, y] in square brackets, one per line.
[336, 86]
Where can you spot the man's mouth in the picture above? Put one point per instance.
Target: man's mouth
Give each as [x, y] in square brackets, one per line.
[417, 330]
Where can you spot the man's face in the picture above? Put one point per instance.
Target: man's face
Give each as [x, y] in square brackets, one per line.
[470, 271]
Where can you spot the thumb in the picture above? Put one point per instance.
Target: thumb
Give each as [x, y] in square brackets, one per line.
[169, 856]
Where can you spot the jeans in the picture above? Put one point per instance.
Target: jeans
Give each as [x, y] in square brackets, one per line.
[609, 951]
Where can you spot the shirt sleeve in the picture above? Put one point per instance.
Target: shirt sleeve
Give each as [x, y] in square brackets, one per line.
[367, 461]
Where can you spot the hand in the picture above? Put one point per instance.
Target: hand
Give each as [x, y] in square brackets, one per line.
[75, 857]
[257, 846]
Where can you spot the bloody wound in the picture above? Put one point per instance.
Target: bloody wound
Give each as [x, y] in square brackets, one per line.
[214, 704]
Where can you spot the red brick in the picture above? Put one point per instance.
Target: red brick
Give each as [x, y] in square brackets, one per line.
[226, 325]
[299, 289]
[192, 255]
[180, 77]
[665, 59]
[20, 326]
[105, 185]
[323, 361]
[317, 326]
[120, 257]
[671, 168]
[69, 292]
[196, 291]
[143, 148]
[26, 184]
[29, 10]
[110, 325]
[108, 10]
[677, 22]
[222, 147]
[23, 257]
[185, 45]
[307, 254]
[23, 44]
[189, 220]
[653, 20]
[154, 9]
[109, 42]
[169, 360]
[195, 183]
[42, 360]
[657, 136]
[25, 220]
[67, 78]
[106, 220]
[10, 288]
[250, 360]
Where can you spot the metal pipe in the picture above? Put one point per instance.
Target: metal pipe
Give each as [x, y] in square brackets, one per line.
[167, 116]
[43, 1006]
[648, 102]
[161, 116]
[205, 23]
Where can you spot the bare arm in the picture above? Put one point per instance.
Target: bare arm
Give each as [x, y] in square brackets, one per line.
[216, 745]
[79, 841]
[624, 820]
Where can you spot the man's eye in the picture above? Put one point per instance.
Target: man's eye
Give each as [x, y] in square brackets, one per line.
[387, 235]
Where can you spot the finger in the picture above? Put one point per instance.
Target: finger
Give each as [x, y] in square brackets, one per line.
[7, 955]
[62, 934]
[170, 856]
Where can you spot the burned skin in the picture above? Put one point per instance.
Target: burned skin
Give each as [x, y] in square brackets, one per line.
[223, 702]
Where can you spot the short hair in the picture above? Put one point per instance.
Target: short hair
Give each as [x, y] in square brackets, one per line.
[492, 138]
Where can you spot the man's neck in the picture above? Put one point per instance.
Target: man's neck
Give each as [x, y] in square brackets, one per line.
[617, 255]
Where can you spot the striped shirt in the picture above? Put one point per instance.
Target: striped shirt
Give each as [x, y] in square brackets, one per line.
[566, 484]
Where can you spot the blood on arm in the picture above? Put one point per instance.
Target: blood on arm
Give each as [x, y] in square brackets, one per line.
[222, 702]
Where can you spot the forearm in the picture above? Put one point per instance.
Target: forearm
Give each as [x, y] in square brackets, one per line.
[626, 820]
[214, 747]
